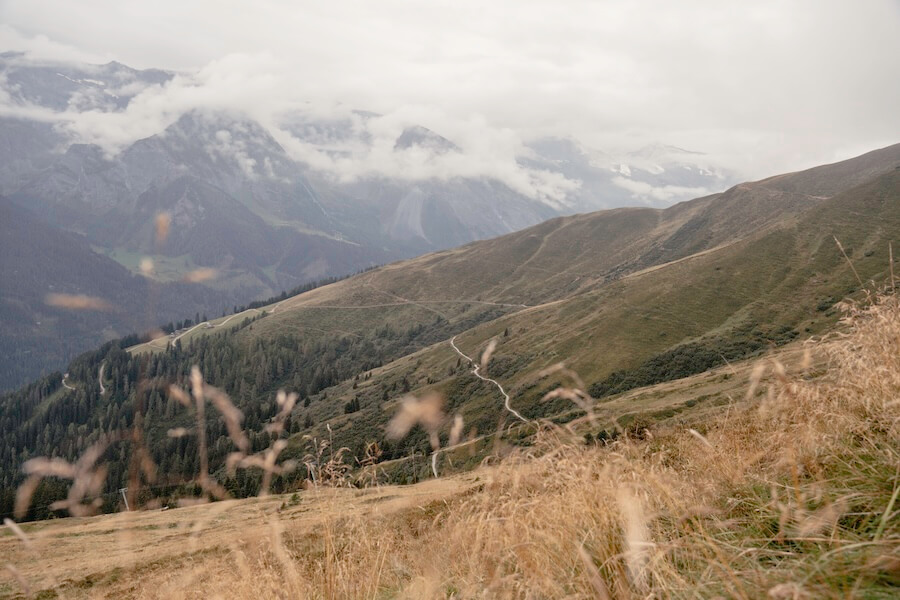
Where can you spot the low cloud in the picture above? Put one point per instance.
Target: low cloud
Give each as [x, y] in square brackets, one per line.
[251, 87]
[41, 47]
[761, 87]
[226, 146]
[481, 153]
[643, 191]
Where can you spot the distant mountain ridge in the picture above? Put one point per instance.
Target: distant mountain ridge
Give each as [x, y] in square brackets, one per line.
[242, 204]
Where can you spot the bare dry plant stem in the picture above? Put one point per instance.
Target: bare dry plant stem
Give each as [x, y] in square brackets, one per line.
[849, 262]
[891, 260]
[197, 389]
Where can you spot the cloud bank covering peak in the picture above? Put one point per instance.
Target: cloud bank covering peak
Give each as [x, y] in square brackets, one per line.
[759, 88]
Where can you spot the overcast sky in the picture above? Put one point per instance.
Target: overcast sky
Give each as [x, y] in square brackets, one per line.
[762, 87]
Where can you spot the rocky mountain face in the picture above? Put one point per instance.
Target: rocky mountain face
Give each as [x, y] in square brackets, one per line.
[85, 187]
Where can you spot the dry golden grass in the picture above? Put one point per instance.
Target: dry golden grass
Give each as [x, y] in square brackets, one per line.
[147, 553]
[792, 493]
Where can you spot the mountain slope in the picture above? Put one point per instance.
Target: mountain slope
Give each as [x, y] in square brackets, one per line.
[36, 337]
[776, 282]
[567, 255]
[281, 217]
[624, 298]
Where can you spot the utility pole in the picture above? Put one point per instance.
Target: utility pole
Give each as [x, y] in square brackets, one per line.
[125, 498]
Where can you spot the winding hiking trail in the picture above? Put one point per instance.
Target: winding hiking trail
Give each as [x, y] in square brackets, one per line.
[475, 372]
[181, 335]
[400, 301]
[403, 300]
[291, 303]
[66, 385]
[100, 378]
[222, 324]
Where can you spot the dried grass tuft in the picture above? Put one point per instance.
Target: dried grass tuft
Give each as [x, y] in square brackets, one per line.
[426, 411]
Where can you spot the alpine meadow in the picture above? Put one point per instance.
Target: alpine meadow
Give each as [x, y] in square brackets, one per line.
[329, 302]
